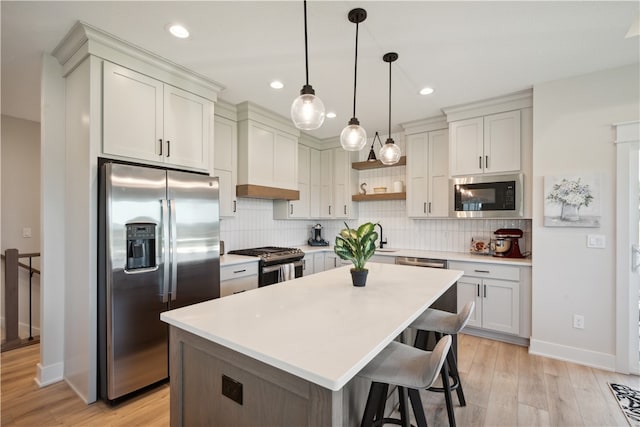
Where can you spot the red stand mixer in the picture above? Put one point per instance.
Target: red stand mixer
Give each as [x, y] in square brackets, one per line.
[506, 243]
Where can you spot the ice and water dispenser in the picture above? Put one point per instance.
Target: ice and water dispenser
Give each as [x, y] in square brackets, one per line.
[141, 246]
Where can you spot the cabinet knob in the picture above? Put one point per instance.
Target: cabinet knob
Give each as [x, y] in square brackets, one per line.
[168, 148]
[479, 162]
[160, 141]
[290, 208]
[486, 162]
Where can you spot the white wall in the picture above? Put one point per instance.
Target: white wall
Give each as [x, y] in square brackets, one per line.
[573, 134]
[21, 209]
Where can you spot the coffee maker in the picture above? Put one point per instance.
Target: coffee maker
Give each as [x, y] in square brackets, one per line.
[316, 236]
[506, 243]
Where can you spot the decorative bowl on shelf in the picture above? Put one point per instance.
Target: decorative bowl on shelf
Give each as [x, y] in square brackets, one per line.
[379, 190]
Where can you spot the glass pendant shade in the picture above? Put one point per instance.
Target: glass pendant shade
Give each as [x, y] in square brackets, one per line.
[307, 112]
[389, 153]
[353, 137]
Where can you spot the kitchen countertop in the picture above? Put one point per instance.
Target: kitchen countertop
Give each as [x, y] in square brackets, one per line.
[320, 327]
[450, 256]
[231, 259]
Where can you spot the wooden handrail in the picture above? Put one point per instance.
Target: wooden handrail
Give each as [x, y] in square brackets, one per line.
[25, 266]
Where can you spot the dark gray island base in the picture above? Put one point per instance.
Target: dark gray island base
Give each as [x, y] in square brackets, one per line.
[269, 396]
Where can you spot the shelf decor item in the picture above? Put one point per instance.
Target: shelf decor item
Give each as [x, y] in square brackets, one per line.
[307, 110]
[354, 137]
[357, 246]
[390, 152]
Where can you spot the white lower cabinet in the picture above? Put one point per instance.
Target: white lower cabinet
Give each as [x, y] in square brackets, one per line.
[318, 262]
[238, 278]
[496, 292]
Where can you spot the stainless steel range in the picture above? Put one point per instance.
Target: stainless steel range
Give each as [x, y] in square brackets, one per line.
[276, 264]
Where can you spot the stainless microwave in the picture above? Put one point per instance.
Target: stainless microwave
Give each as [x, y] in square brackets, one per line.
[493, 196]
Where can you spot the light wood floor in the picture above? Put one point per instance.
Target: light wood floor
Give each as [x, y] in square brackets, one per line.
[504, 386]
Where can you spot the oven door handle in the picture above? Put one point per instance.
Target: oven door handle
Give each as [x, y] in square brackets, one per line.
[272, 268]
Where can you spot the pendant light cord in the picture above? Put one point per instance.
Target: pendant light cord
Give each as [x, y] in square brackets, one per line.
[306, 52]
[389, 99]
[355, 74]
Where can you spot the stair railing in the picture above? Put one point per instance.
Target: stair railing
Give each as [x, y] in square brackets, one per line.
[12, 264]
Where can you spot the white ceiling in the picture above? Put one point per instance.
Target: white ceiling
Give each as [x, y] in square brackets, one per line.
[467, 51]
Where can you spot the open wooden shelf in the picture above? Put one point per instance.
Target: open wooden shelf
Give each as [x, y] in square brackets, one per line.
[377, 164]
[379, 196]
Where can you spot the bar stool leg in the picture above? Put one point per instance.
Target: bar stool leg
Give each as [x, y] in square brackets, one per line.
[418, 410]
[444, 373]
[404, 415]
[453, 370]
[373, 403]
[382, 403]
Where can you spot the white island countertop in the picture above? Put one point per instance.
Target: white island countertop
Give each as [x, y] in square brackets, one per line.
[319, 327]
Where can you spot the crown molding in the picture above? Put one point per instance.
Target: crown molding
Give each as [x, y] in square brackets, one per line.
[425, 125]
[512, 101]
[84, 40]
[250, 111]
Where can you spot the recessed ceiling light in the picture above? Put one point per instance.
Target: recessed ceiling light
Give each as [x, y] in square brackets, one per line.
[331, 115]
[426, 91]
[179, 31]
[276, 84]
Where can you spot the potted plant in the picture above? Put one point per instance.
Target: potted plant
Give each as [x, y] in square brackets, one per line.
[357, 246]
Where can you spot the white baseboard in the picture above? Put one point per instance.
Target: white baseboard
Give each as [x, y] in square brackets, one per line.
[47, 375]
[580, 356]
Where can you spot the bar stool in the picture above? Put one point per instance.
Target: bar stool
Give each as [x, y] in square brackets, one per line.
[442, 323]
[408, 368]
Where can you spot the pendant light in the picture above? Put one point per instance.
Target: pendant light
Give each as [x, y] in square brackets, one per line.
[307, 110]
[354, 137]
[390, 152]
[372, 154]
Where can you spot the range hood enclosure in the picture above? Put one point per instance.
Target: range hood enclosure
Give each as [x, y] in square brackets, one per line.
[267, 154]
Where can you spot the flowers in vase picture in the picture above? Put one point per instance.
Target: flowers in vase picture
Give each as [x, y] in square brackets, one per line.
[572, 201]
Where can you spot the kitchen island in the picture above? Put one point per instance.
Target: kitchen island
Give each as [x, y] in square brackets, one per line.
[288, 354]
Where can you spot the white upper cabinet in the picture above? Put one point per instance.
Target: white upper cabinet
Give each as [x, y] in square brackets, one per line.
[338, 181]
[224, 163]
[427, 174]
[146, 119]
[488, 144]
[297, 209]
[314, 183]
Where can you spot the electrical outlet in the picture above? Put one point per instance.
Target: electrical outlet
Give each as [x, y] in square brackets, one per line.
[578, 321]
[26, 232]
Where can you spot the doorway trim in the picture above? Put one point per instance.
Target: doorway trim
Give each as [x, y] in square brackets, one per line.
[627, 340]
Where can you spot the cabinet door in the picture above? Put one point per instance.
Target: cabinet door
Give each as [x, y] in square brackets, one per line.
[502, 142]
[330, 261]
[132, 114]
[341, 193]
[260, 149]
[468, 290]
[187, 128]
[224, 161]
[438, 173]
[300, 208]
[318, 262]
[417, 179]
[285, 161]
[314, 183]
[501, 306]
[466, 147]
[326, 184]
[308, 265]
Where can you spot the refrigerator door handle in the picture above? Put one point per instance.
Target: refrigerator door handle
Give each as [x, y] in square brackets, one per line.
[174, 249]
[166, 259]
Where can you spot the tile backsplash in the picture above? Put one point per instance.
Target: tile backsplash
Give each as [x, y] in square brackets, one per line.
[254, 226]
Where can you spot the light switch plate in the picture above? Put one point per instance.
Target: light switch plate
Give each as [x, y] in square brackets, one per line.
[26, 232]
[596, 241]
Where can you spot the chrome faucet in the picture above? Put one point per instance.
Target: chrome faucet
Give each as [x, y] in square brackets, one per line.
[382, 241]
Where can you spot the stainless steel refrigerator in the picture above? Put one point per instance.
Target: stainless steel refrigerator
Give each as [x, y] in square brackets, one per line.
[159, 242]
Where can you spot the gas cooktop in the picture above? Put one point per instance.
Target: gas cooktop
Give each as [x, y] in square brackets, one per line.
[271, 253]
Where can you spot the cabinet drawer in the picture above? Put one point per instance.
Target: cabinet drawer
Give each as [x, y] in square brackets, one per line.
[494, 271]
[238, 270]
[237, 285]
